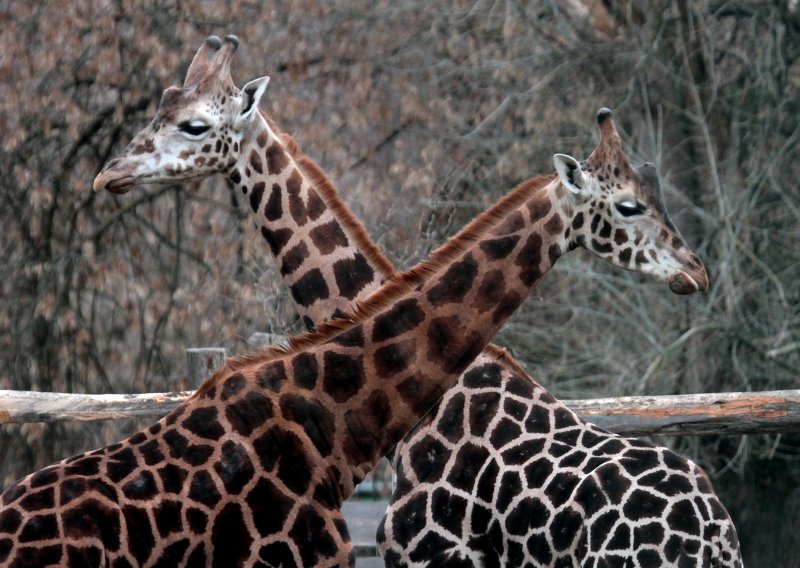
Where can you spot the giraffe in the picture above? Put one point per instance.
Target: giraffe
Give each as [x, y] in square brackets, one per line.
[253, 468]
[299, 224]
[442, 431]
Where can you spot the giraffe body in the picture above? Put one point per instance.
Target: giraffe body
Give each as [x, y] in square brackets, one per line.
[480, 526]
[503, 474]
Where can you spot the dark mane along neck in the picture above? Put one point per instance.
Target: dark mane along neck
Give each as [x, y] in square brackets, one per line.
[327, 191]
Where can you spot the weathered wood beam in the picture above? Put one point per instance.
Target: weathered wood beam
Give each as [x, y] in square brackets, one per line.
[28, 406]
[695, 414]
[690, 414]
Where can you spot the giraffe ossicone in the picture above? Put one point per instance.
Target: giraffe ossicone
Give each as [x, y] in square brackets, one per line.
[203, 476]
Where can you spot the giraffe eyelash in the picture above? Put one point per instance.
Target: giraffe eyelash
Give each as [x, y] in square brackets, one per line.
[194, 127]
[629, 208]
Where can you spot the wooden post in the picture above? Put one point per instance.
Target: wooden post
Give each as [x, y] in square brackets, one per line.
[204, 362]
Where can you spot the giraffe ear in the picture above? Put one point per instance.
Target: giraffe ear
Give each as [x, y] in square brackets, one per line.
[569, 170]
[251, 95]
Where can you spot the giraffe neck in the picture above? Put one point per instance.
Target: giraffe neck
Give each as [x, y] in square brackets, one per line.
[374, 379]
[329, 264]
[323, 253]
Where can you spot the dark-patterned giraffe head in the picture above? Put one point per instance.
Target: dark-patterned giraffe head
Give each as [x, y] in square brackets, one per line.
[620, 214]
[198, 129]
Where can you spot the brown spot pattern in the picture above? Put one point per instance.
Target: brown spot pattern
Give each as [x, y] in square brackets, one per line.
[256, 163]
[276, 239]
[276, 159]
[539, 206]
[352, 274]
[512, 224]
[328, 236]
[309, 288]
[274, 209]
[256, 195]
[294, 258]
[498, 249]
[490, 291]
[343, 375]
[296, 206]
[394, 358]
[455, 283]
[399, 319]
[529, 259]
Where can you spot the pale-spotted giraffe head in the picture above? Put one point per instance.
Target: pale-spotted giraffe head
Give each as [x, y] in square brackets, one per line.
[619, 214]
[198, 129]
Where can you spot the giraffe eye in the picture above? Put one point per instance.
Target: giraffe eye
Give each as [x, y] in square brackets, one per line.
[629, 208]
[194, 128]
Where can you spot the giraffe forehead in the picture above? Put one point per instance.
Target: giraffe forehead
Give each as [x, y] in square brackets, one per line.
[638, 182]
[173, 101]
[179, 104]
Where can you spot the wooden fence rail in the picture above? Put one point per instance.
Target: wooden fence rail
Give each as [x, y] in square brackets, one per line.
[691, 414]
[686, 414]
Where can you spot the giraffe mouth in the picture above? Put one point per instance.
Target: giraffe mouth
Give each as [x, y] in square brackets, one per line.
[117, 185]
[121, 185]
[682, 283]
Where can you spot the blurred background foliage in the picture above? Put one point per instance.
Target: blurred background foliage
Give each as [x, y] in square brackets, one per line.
[423, 113]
